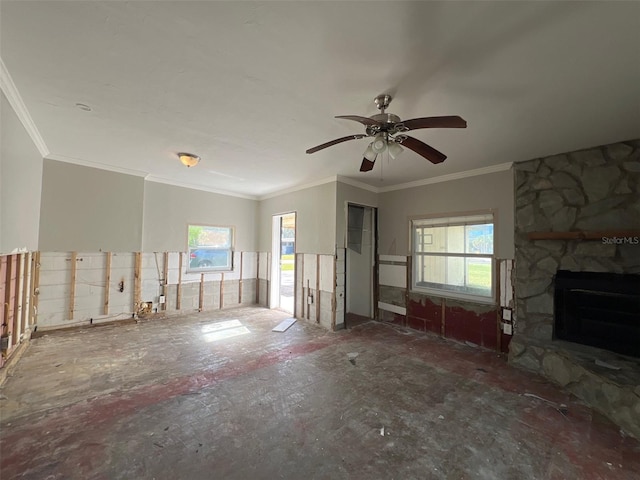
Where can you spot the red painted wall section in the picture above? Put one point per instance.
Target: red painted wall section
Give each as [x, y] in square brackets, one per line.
[463, 324]
[469, 326]
[393, 318]
[424, 314]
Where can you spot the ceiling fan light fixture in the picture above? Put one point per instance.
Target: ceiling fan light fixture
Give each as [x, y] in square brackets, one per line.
[395, 149]
[379, 145]
[188, 159]
[369, 154]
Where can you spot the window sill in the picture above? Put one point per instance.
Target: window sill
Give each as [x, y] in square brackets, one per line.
[455, 296]
[202, 270]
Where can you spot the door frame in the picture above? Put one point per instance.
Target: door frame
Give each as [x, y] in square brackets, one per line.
[375, 260]
[275, 266]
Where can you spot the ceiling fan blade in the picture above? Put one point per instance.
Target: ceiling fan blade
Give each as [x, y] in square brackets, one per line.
[362, 120]
[421, 148]
[335, 142]
[367, 165]
[452, 121]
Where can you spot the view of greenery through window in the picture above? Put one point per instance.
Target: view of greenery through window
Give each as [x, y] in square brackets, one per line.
[210, 247]
[455, 257]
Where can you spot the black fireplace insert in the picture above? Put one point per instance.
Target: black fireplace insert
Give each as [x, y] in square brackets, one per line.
[598, 309]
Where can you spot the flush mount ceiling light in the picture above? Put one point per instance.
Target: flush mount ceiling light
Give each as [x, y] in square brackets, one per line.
[188, 159]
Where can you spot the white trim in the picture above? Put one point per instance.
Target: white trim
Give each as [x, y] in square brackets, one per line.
[166, 181]
[15, 100]
[298, 188]
[393, 258]
[418, 183]
[101, 166]
[358, 184]
[392, 308]
[446, 178]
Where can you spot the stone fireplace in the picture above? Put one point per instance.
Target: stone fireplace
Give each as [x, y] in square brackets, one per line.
[577, 212]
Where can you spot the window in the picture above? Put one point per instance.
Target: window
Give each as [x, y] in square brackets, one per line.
[210, 248]
[453, 256]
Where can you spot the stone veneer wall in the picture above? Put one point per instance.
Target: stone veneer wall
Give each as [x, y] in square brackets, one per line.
[588, 190]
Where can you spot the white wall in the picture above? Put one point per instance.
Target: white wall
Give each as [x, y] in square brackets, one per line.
[482, 192]
[169, 209]
[20, 183]
[87, 209]
[315, 219]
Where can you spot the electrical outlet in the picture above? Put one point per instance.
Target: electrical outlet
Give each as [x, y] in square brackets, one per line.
[507, 328]
[506, 314]
[310, 299]
[161, 299]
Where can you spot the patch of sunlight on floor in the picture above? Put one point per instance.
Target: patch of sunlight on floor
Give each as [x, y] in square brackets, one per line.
[222, 330]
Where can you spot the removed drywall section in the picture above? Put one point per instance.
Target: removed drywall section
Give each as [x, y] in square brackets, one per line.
[73, 286]
[20, 183]
[493, 191]
[315, 209]
[464, 321]
[169, 209]
[17, 273]
[316, 293]
[54, 297]
[88, 210]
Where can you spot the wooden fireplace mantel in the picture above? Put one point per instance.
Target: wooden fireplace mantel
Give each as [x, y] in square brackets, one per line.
[583, 235]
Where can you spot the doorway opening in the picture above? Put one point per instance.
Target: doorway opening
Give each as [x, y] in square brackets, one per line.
[360, 265]
[283, 243]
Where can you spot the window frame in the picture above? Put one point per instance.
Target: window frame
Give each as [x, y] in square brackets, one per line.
[454, 219]
[228, 267]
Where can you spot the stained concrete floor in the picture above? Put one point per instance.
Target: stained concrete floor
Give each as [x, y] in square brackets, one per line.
[219, 396]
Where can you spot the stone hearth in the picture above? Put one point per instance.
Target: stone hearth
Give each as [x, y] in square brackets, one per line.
[589, 190]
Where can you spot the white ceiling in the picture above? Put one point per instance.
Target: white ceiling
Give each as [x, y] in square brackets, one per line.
[249, 86]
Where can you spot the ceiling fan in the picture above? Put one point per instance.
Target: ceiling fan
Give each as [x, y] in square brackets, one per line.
[388, 130]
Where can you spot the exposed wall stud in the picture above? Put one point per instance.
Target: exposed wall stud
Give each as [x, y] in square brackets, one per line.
[72, 288]
[137, 281]
[35, 290]
[221, 290]
[258, 278]
[240, 281]
[304, 298]
[499, 308]
[31, 287]
[24, 288]
[165, 281]
[407, 295]
[107, 284]
[317, 299]
[333, 296]
[179, 289]
[201, 299]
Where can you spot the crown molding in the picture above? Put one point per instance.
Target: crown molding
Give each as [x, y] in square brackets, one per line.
[174, 183]
[418, 183]
[447, 178]
[101, 166]
[15, 100]
[358, 184]
[299, 187]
